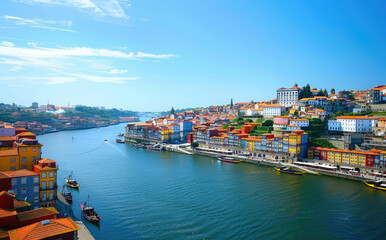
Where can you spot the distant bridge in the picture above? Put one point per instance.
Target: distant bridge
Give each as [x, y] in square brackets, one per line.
[154, 114]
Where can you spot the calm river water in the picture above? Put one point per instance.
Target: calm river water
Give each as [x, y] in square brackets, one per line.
[142, 194]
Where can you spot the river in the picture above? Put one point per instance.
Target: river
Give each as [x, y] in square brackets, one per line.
[142, 194]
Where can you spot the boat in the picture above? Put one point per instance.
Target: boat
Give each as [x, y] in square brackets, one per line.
[289, 171]
[378, 184]
[139, 145]
[153, 148]
[106, 141]
[89, 212]
[119, 140]
[228, 159]
[66, 193]
[121, 135]
[71, 182]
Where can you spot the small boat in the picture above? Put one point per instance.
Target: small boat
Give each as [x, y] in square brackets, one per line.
[118, 140]
[289, 171]
[106, 141]
[71, 182]
[378, 184]
[121, 135]
[139, 145]
[66, 193]
[228, 159]
[89, 212]
[154, 148]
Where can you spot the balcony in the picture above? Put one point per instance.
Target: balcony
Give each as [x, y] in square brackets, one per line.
[48, 188]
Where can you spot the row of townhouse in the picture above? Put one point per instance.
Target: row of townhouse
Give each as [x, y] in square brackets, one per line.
[372, 158]
[287, 123]
[263, 109]
[295, 142]
[167, 133]
[23, 171]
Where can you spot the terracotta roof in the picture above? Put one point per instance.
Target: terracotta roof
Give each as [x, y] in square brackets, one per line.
[46, 160]
[306, 120]
[39, 231]
[36, 213]
[10, 152]
[26, 134]
[355, 117]
[5, 213]
[6, 138]
[20, 173]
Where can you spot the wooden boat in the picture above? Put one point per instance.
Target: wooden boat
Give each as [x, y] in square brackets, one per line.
[139, 145]
[379, 184]
[66, 193]
[71, 182]
[89, 212]
[118, 140]
[121, 135]
[154, 148]
[289, 171]
[228, 159]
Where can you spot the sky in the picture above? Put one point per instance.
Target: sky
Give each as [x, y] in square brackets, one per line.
[152, 55]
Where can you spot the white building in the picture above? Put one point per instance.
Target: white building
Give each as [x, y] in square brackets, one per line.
[273, 110]
[356, 124]
[288, 96]
[252, 112]
[300, 122]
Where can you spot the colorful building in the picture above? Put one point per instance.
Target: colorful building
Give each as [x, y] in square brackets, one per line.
[46, 168]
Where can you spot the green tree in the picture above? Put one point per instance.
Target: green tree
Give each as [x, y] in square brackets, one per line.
[231, 103]
[194, 145]
[268, 123]
[306, 92]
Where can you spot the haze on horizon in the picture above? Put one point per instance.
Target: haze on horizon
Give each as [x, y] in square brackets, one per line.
[151, 55]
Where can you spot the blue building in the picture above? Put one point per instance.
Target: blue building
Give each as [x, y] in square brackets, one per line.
[26, 186]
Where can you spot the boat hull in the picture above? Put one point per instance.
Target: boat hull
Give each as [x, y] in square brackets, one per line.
[229, 160]
[93, 219]
[72, 185]
[375, 187]
[293, 172]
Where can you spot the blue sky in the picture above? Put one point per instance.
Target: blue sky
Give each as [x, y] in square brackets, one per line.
[151, 55]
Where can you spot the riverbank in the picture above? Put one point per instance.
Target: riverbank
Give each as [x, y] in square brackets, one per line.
[271, 163]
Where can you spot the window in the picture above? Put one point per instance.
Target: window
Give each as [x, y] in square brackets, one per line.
[13, 160]
[44, 196]
[51, 184]
[44, 175]
[24, 150]
[33, 159]
[13, 169]
[36, 189]
[14, 181]
[44, 185]
[36, 179]
[36, 199]
[24, 190]
[51, 174]
[23, 180]
[24, 159]
[33, 149]
[51, 195]
[24, 167]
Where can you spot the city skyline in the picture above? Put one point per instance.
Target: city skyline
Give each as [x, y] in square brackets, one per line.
[154, 55]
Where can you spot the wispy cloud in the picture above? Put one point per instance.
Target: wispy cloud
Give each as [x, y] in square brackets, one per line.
[7, 44]
[102, 79]
[97, 7]
[40, 23]
[145, 19]
[46, 79]
[114, 71]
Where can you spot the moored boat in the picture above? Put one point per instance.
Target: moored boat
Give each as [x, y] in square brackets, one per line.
[154, 148]
[139, 145]
[378, 184]
[228, 159]
[119, 140]
[289, 171]
[89, 212]
[66, 193]
[71, 182]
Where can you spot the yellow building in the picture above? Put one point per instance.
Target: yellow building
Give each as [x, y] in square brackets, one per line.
[9, 160]
[29, 152]
[47, 170]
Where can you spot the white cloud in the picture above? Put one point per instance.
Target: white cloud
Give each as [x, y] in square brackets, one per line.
[114, 71]
[145, 19]
[16, 68]
[7, 44]
[46, 79]
[97, 7]
[60, 53]
[40, 23]
[101, 79]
